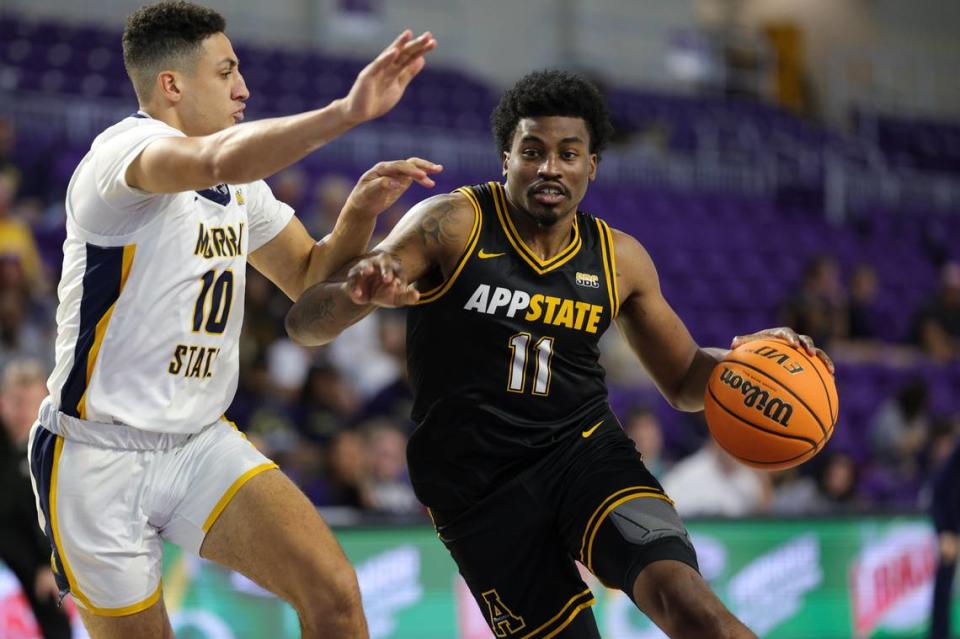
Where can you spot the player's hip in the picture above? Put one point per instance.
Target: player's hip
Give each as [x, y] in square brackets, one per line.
[107, 509]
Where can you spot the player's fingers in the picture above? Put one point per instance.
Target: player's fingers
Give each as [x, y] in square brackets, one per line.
[396, 47]
[410, 71]
[355, 291]
[426, 165]
[390, 55]
[415, 49]
[356, 269]
[740, 340]
[386, 269]
[826, 360]
[405, 295]
[807, 342]
[410, 295]
[406, 169]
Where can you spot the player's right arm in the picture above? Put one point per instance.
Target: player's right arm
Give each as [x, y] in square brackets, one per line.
[429, 239]
[250, 152]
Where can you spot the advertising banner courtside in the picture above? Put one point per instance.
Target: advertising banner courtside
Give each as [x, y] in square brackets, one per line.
[790, 579]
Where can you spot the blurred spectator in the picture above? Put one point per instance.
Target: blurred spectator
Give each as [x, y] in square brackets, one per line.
[23, 546]
[388, 489]
[862, 314]
[290, 187]
[358, 355]
[710, 482]
[945, 509]
[262, 325]
[330, 195]
[943, 435]
[20, 335]
[898, 429]
[833, 490]
[16, 238]
[327, 403]
[643, 427]
[287, 366]
[8, 165]
[818, 308]
[936, 327]
[347, 472]
[393, 401]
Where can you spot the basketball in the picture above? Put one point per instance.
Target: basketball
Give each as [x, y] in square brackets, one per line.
[771, 405]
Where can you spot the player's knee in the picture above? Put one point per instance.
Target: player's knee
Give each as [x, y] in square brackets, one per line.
[331, 601]
[337, 611]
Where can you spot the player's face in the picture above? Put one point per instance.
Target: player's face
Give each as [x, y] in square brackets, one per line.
[548, 167]
[214, 92]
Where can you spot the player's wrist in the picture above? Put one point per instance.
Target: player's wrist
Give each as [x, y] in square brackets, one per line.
[345, 113]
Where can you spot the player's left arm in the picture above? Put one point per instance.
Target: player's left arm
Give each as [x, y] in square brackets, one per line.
[678, 365]
[294, 261]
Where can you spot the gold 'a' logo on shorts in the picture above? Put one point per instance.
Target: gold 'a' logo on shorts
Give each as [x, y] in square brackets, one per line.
[502, 620]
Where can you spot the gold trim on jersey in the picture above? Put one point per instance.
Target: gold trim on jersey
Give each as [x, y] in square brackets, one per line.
[609, 266]
[513, 236]
[128, 253]
[436, 292]
[585, 599]
[604, 509]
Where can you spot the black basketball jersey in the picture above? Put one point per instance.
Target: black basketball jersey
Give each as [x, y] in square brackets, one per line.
[503, 355]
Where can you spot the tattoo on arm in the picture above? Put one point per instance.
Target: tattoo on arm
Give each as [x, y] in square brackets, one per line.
[433, 226]
[325, 308]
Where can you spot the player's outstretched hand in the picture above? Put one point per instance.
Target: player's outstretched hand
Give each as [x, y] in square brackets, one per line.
[789, 336]
[381, 84]
[382, 185]
[375, 280]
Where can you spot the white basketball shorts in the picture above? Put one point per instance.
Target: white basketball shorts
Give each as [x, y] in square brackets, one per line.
[109, 500]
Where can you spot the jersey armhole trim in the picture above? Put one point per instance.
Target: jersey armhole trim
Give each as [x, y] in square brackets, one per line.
[609, 266]
[438, 291]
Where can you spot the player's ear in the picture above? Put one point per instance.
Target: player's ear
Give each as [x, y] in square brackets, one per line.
[506, 160]
[168, 84]
[594, 160]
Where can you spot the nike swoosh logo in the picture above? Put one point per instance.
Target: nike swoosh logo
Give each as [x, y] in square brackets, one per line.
[483, 255]
[590, 430]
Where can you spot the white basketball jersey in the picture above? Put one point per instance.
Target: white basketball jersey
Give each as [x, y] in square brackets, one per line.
[152, 290]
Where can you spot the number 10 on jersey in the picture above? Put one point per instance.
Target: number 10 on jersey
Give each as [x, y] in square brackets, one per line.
[517, 376]
[212, 315]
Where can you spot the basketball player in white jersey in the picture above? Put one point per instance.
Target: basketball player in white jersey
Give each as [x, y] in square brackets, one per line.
[131, 448]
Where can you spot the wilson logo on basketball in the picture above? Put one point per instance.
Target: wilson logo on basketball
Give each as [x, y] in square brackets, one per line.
[782, 358]
[757, 398]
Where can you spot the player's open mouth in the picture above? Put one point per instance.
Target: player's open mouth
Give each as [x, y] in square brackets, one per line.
[548, 194]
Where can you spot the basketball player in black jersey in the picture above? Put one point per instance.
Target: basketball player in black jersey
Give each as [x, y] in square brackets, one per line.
[517, 454]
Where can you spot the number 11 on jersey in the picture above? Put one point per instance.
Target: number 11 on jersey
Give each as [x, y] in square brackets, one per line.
[517, 375]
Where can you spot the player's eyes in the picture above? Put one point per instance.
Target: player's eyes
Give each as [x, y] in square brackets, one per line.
[530, 153]
[570, 155]
[226, 74]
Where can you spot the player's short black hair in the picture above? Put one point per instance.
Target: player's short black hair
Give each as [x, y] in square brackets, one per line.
[545, 93]
[161, 35]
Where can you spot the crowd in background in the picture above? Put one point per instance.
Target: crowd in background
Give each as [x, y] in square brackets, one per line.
[336, 418]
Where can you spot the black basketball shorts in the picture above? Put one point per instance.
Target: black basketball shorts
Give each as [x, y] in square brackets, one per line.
[591, 500]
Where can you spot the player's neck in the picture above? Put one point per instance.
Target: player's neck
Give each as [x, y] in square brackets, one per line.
[167, 115]
[545, 240]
